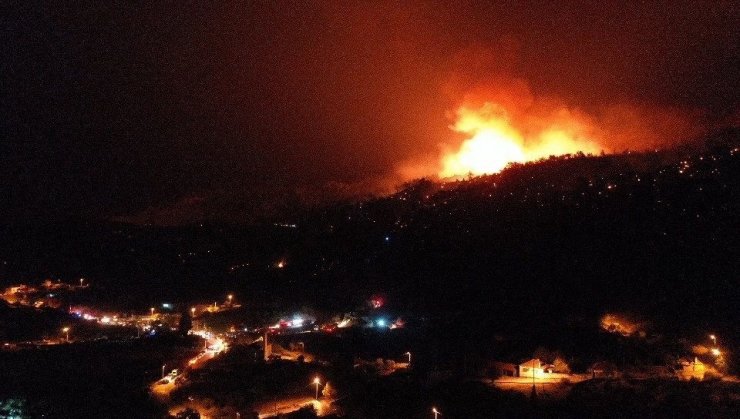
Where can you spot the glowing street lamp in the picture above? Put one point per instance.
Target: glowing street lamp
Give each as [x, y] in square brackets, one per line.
[152, 311]
[231, 297]
[192, 310]
[436, 412]
[163, 365]
[81, 281]
[66, 333]
[318, 383]
[716, 352]
[409, 355]
[714, 339]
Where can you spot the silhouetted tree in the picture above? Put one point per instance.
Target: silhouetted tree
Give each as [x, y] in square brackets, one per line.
[186, 323]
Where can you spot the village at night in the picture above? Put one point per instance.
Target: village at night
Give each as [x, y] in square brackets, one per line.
[370, 210]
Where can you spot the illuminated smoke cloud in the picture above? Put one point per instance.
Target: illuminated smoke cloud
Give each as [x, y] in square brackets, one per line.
[497, 119]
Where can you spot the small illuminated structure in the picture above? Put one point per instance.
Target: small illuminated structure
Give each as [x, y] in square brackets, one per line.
[436, 412]
[66, 333]
[409, 355]
[296, 322]
[695, 370]
[532, 368]
[344, 323]
[716, 352]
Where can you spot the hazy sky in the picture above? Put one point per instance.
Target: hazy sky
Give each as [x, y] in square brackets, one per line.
[111, 110]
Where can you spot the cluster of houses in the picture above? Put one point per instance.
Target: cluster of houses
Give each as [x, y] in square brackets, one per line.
[535, 368]
[49, 294]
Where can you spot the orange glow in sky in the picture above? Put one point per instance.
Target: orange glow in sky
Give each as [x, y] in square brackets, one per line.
[494, 142]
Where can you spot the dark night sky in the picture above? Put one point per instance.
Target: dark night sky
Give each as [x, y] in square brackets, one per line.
[110, 110]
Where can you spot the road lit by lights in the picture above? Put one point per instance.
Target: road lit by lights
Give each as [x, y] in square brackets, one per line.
[214, 346]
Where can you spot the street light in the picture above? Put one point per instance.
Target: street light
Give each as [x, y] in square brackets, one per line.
[81, 281]
[409, 355]
[436, 412]
[192, 310]
[163, 365]
[318, 383]
[714, 339]
[716, 352]
[231, 297]
[66, 332]
[152, 311]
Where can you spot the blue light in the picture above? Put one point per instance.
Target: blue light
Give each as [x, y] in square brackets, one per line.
[387, 238]
[380, 322]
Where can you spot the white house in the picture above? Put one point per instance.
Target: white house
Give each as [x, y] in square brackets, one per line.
[530, 368]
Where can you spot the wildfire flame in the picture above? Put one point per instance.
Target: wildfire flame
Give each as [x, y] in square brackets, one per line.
[495, 142]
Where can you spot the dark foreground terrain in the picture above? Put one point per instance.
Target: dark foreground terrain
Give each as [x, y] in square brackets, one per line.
[489, 268]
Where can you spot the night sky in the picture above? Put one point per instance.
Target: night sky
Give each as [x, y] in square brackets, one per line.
[209, 110]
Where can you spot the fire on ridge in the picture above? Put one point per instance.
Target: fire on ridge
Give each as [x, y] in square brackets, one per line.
[495, 140]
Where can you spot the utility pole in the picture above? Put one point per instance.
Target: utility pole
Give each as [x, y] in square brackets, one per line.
[267, 348]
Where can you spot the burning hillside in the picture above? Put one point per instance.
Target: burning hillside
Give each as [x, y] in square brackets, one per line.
[495, 141]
